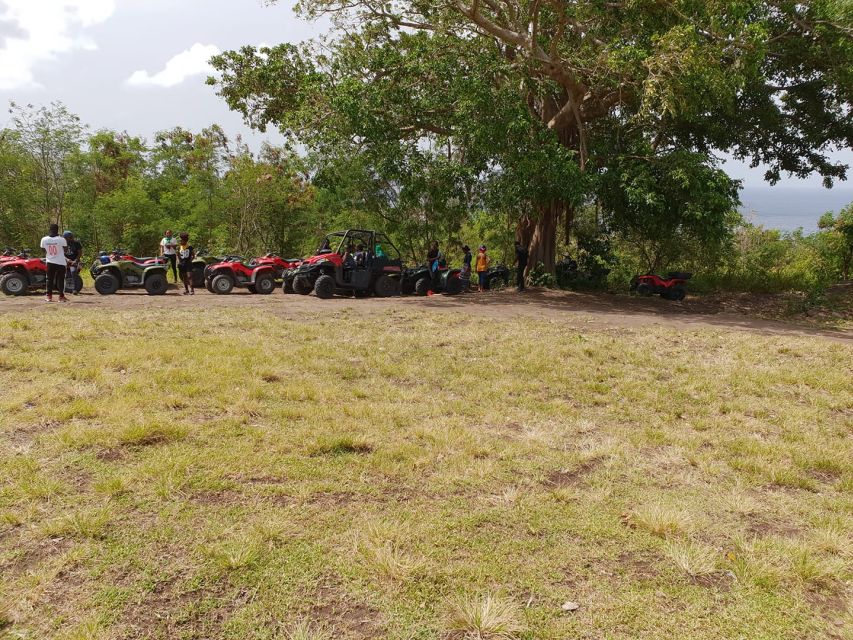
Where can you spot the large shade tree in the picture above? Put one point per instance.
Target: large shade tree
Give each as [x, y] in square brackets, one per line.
[595, 83]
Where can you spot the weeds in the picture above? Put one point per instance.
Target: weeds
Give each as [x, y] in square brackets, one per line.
[489, 617]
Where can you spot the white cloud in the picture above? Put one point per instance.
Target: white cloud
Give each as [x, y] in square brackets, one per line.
[194, 61]
[40, 30]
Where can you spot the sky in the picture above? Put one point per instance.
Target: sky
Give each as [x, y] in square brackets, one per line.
[140, 66]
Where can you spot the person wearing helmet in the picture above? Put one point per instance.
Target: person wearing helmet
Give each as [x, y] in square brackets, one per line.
[482, 268]
[73, 254]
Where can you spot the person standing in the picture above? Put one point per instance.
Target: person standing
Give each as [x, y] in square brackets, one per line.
[73, 255]
[465, 273]
[54, 250]
[168, 246]
[482, 269]
[521, 256]
[433, 258]
[186, 255]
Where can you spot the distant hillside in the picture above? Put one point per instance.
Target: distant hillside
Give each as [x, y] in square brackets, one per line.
[790, 207]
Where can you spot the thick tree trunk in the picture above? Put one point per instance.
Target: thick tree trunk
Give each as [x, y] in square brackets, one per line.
[538, 232]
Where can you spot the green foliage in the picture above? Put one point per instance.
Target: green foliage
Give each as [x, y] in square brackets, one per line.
[769, 260]
[667, 207]
[838, 238]
[114, 190]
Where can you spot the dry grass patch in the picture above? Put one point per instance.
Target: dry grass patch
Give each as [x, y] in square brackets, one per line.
[660, 520]
[691, 557]
[488, 617]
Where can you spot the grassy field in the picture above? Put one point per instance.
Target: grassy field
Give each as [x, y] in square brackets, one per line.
[223, 475]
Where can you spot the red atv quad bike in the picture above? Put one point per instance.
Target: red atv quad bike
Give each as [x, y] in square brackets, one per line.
[671, 287]
[340, 267]
[222, 277]
[9, 254]
[23, 274]
[279, 264]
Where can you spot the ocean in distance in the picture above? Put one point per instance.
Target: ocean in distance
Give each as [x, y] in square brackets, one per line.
[789, 207]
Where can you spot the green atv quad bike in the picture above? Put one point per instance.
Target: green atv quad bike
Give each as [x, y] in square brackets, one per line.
[127, 274]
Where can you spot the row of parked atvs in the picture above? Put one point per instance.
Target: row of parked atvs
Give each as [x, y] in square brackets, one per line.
[355, 262]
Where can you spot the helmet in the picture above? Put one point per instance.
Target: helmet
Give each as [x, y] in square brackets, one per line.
[67, 234]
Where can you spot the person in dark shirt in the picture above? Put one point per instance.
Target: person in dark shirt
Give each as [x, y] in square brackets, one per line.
[73, 254]
[465, 274]
[521, 257]
[186, 255]
[433, 257]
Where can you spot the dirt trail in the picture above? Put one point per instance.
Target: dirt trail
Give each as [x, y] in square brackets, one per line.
[574, 308]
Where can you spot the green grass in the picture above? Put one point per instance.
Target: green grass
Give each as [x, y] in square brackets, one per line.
[414, 476]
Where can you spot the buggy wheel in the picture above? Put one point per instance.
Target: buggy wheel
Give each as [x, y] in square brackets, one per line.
[324, 287]
[156, 284]
[644, 290]
[222, 284]
[106, 284]
[287, 285]
[422, 286]
[386, 286]
[14, 284]
[264, 284]
[302, 285]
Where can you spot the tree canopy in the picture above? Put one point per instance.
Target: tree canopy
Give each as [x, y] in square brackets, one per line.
[534, 103]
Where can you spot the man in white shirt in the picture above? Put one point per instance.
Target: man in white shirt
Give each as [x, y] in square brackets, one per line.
[54, 250]
[168, 245]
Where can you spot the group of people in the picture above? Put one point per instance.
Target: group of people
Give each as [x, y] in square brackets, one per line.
[63, 254]
[179, 253]
[480, 264]
[62, 257]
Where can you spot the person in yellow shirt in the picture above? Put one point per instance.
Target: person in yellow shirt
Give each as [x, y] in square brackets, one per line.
[482, 266]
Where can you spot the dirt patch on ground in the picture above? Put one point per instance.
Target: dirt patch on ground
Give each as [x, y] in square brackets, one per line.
[759, 527]
[345, 616]
[579, 309]
[571, 477]
[168, 611]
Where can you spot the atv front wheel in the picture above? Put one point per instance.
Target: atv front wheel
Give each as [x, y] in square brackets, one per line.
[198, 277]
[386, 286]
[264, 284]
[106, 284]
[302, 285]
[287, 285]
[14, 284]
[222, 285]
[156, 284]
[422, 286]
[324, 287]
